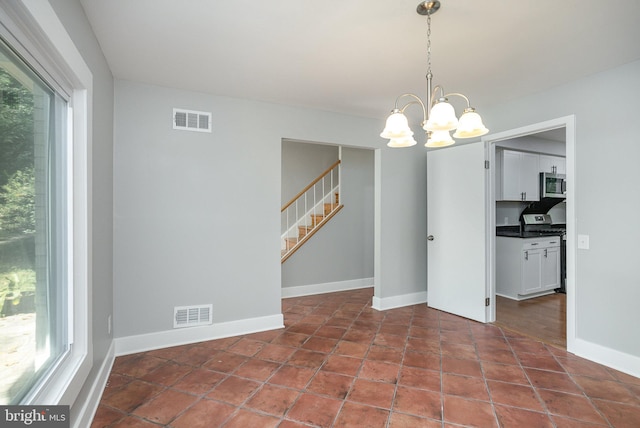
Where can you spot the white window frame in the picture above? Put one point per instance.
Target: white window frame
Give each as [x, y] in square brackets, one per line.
[34, 30]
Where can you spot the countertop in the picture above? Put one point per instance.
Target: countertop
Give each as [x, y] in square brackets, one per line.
[514, 232]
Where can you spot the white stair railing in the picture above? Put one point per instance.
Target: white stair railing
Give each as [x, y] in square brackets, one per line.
[309, 209]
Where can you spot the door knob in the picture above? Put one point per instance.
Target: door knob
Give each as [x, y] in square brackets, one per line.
[430, 238]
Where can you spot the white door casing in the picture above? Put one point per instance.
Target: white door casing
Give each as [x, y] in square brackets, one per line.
[568, 123]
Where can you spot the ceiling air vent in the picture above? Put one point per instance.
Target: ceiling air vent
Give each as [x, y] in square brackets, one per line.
[190, 316]
[189, 120]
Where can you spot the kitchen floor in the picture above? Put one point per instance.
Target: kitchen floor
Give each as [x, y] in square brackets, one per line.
[543, 318]
[339, 363]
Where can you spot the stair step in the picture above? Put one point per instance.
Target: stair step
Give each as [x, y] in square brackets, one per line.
[303, 230]
[329, 207]
[316, 218]
[291, 242]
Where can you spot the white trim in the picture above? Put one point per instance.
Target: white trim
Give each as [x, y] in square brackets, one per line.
[328, 287]
[626, 363]
[569, 123]
[385, 303]
[164, 339]
[89, 405]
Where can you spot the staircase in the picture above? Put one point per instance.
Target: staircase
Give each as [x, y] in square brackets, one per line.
[310, 210]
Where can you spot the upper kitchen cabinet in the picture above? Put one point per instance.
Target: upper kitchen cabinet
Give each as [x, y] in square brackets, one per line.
[517, 176]
[553, 164]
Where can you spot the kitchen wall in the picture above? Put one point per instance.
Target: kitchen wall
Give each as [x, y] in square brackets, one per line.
[607, 274]
[508, 212]
[197, 214]
[340, 256]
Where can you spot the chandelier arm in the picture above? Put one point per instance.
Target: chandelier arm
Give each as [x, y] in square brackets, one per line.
[417, 100]
[433, 96]
[459, 95]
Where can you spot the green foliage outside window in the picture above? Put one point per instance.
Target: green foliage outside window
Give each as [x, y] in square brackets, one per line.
[17, 193]
[17, 183]
[17, 204]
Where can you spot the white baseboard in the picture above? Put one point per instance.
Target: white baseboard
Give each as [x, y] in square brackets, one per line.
[626, 363]
[329, 287]
[520, 298]
[88, 407]
[383, 304]
[182, 336]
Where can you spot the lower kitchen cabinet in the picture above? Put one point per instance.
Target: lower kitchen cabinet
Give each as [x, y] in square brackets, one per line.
[527, 267]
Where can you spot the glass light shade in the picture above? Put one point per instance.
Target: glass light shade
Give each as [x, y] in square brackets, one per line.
[402, 142]
[470, 125]
[442, 117]
[397, 127]
[439, 139]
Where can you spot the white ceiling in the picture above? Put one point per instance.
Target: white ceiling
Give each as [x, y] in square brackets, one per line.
[356, 56]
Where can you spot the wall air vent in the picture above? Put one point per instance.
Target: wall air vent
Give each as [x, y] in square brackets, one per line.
[189, 120]
[190, 316]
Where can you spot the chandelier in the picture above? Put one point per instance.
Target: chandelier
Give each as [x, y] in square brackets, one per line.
[439, 117]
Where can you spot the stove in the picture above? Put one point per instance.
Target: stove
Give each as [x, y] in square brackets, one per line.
[540, 223]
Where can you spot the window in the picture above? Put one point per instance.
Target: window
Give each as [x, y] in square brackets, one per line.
[33, 219]
[45, 86]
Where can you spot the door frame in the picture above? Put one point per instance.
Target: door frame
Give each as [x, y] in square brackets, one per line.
[567, 122]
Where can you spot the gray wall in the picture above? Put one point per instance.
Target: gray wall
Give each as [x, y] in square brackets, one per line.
[197, 214]
[607, 151]
[401, 253]
[343, 249]
[72, 17]
[302, 163]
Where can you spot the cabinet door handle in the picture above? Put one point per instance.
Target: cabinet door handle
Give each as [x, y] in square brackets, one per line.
[526, 255]
[545, 252]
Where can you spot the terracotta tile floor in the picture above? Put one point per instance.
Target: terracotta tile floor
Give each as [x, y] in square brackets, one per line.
[339, 363]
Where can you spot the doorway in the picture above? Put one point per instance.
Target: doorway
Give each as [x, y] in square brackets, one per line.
[548, 318]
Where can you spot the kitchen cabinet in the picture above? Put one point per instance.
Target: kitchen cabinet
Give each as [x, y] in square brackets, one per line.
[517, 176]
[528, 267]
[553, 164]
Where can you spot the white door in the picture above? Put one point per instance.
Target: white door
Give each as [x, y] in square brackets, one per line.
[456, 213]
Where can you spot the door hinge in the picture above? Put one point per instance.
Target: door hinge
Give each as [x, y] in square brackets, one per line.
[486, 301]
[486, 164]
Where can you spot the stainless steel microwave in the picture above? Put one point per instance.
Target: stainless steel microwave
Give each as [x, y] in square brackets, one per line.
[553, 185]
